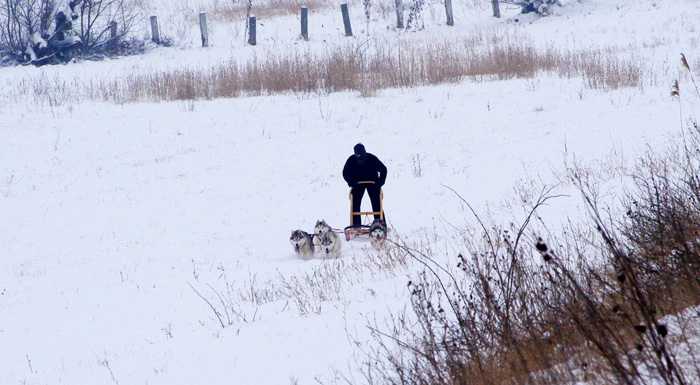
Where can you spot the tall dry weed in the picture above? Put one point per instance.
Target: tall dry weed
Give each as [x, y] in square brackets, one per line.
[368, 69]
[364, 67]
[612, 302]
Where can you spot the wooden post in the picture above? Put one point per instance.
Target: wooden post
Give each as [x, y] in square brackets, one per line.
[304, 23]
[346, 19]
[496, 9]
[251, 30]
[203, 28]
[399, 13]
[448, 10]
[154, 30]
[113, 36]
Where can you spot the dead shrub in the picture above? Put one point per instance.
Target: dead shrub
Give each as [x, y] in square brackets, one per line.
[608, 304]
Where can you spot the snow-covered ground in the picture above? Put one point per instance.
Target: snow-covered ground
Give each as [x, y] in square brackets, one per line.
[123, 226]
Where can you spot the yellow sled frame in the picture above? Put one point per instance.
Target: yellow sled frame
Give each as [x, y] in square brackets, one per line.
[353, 231]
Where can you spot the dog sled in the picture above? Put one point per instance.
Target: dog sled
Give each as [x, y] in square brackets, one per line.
[353, 231]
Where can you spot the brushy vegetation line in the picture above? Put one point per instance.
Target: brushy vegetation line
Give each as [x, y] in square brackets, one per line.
[612, 303]
[365, 68]
[368, 69]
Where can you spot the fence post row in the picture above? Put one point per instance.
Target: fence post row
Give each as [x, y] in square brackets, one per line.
[304, 23]
[496, 9]
[252, 40]
[346, 19]
[251, 30]
[154, 30]
[399, 13]
[448, 11]
[203, 28]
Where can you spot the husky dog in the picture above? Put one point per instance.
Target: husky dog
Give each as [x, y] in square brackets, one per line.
[377, 234]
[303, 245]
[330, 244]
[320, 229]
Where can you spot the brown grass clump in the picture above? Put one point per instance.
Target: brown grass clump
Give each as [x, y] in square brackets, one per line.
[367, 69]
[615, 303]
[609, 312]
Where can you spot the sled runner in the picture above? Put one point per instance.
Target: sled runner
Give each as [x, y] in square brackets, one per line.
[353, 231]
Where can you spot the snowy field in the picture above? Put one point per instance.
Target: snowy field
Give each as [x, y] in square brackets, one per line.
[123, 226]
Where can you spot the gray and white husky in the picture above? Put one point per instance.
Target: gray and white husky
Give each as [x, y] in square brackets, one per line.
[377, 234]
[303, 245]
[320, 229]
[330, 245]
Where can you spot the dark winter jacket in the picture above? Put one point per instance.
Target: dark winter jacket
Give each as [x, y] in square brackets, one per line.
[371, 169]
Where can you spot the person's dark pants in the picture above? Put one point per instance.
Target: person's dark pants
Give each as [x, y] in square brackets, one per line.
[357, 193]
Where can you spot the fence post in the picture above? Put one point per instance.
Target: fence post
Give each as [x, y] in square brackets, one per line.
[305, 23]
[251, 30]
[346, 19]
[399, 13]
[154, 30]
[203, 28]
[113, 36]
[448, 11]
[496, 9]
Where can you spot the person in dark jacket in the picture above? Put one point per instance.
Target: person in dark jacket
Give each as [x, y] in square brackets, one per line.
[360, 167]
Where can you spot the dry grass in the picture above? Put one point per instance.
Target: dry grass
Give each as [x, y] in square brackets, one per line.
[510, 318]
[327, 284]
[365, 68]
[611, 304]
[235, 11]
